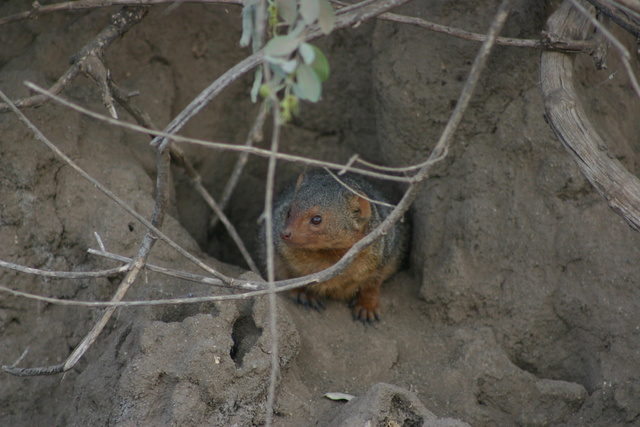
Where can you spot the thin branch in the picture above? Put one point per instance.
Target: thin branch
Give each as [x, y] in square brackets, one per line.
[39, 10]
[135, 267]
[100, 243]
[124, 99]
[292, 284]
[625, 56]
[65, 274]
[93, 334]
[119, 24]
[94, 67]
[196, 278]
[255, 135]
[196, 181]
[357, 193]
[22, 356]
[119, 201]
[620, 16]
[271, 277]
[218, 145]
[547, 41]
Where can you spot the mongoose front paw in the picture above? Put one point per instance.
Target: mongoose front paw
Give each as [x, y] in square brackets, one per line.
[364, 314]
[365, 306]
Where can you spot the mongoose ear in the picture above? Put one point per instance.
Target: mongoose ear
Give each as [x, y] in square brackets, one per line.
[360, 207]
[300, 180]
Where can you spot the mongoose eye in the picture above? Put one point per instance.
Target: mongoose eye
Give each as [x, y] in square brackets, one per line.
[289, 213]
[316, 219]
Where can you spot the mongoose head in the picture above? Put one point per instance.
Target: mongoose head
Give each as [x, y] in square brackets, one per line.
[324, 215]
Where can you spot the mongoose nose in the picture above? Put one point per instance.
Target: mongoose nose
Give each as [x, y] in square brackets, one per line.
[285, 235]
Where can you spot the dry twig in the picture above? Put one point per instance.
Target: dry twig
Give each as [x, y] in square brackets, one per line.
[271, 275]
[255, 135]
[134, 268]
[625, 56]
[197, 278]
[225, 146]
[119, 24]
[39, 10]
[65, 274]
[619, 15]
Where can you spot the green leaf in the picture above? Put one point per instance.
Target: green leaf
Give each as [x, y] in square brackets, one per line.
[257, 83]
[288, 10]
[278, 73]
[309, 86]
[247, 25]
[289, 66]
[310, 10]
[307, 52]
[281, 46]
[320, 65]
[338, 396]
[326, 17]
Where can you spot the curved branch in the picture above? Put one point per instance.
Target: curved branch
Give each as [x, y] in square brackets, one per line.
[571, 125]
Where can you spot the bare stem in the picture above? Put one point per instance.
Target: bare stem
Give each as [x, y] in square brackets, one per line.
[178, 155]
[223, 146]
[197, 278]
[255, 135]
[39, 10]
[119, 24]
[271, 276]
[65, 274]
[196, 182]
[625, 56]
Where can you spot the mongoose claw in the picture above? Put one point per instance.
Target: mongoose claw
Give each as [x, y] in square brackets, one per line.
[366, 316]
[309, 301]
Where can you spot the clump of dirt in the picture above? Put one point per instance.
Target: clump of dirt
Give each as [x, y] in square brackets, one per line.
[518, 305]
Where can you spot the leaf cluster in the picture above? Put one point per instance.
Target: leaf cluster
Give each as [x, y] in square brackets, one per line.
[294, 69]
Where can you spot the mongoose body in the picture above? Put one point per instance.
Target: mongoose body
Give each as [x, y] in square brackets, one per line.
[317, 220]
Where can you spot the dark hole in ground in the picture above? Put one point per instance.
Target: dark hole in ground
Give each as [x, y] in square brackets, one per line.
[401, 414]
[245, 334]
